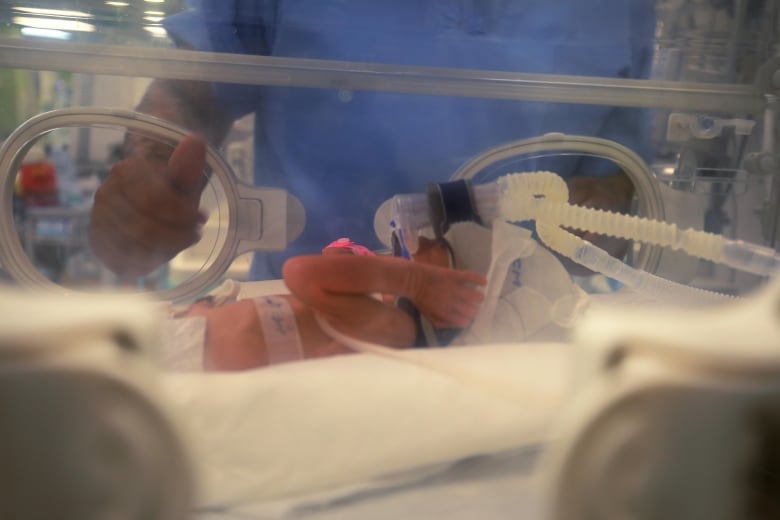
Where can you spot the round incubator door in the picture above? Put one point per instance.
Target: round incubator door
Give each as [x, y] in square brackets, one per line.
[593, 157]
[53, 236]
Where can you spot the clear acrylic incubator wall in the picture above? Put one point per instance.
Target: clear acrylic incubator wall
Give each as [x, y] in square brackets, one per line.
[337, 108]
[573, 153]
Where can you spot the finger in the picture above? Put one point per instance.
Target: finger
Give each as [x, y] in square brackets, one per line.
[458, 314]
[145, 186]
[142, 224]
[468, 308]
[185, 167]
[131, 243]
[470, 297]
[470, 277]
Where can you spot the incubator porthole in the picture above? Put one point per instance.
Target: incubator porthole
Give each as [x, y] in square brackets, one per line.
[52, 202]
[48, 217]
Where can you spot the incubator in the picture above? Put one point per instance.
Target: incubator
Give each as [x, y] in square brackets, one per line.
[624, 361]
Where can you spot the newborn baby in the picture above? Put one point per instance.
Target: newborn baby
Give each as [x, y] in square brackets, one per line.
[355, 291]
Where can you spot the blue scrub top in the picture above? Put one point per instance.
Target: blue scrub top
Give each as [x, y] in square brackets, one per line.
[344, 153]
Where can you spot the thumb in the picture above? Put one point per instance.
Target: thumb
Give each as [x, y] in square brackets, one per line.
[185, 166]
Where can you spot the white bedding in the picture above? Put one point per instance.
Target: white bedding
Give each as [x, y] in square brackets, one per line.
[334, 427]
[293, 440]
[496, 487]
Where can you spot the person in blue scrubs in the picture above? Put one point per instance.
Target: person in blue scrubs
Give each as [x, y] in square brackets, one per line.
[343, 153]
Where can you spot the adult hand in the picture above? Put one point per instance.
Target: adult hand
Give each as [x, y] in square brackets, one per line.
[147, 209]
[610, 193]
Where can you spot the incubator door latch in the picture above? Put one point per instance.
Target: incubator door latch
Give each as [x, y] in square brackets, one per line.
[683, 127]
[268, 219]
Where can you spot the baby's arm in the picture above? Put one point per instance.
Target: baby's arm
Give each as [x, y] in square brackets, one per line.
[339, 288]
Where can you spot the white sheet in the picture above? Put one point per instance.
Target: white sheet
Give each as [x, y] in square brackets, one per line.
[495, 487]
[327, 428]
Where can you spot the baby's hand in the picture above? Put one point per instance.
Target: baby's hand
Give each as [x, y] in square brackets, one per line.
[448, 298]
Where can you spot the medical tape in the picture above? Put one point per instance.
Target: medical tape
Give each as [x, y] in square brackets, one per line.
[280, 329]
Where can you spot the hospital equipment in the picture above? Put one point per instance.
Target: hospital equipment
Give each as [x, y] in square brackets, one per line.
[542, 197]
[644, 401]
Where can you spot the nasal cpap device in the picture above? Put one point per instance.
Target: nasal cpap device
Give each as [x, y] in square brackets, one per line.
[542, 198]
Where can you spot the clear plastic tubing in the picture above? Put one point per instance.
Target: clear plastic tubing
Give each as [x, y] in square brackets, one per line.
[598, 260]
[541, 197]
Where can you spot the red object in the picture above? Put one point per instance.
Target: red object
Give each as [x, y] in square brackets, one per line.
[38, 178]
[349, 245]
